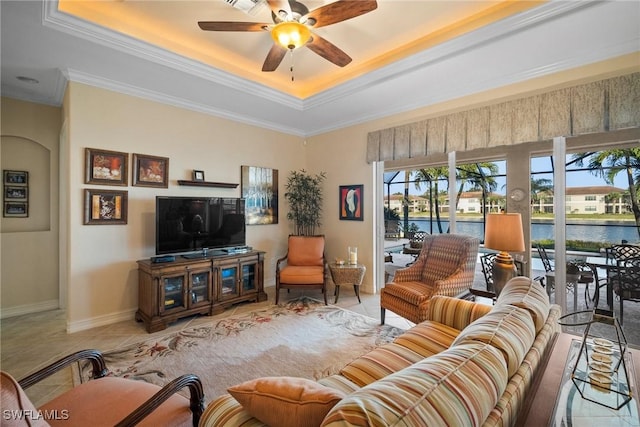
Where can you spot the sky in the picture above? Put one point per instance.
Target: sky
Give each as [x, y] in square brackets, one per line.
[579, 179]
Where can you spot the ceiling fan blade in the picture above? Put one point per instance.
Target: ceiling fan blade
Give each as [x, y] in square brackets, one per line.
[339, 11]
[278, 5]
[328, 51]
[274, 58]
[232, 26]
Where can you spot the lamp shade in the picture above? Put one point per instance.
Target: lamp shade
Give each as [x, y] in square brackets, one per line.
[503, 232]
[291, 34]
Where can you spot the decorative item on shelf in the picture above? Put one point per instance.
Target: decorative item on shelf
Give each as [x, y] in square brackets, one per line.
[503, 232]
[600, 372]
[198, 175]
[351, 202]
[353, 255]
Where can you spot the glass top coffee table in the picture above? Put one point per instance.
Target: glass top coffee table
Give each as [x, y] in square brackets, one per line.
[554, 400]
[576, 400]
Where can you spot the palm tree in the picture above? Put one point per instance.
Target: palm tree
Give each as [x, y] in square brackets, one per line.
[608, 164]
[540, 187]
[433, 175]
[479, 177]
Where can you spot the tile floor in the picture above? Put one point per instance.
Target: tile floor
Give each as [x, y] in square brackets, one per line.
[33, 341]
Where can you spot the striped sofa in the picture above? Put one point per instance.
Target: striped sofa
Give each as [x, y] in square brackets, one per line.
[468, 364]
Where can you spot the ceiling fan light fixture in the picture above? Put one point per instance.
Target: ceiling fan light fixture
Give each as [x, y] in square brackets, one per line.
[291, 35]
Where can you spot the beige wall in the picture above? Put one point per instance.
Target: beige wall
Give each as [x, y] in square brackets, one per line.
[29, 279]
[102, 268]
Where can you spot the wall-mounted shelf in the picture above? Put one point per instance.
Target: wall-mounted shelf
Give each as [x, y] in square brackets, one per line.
[207, 184]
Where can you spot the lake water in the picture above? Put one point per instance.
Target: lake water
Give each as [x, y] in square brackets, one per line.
[605, 232]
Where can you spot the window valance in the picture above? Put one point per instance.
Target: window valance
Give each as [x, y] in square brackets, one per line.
[601, 106]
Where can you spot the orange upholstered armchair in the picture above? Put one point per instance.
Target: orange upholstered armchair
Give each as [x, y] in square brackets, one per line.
[102, 401]
[304, 265]
[446, 266]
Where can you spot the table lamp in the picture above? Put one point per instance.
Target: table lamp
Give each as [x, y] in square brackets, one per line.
[503, 232]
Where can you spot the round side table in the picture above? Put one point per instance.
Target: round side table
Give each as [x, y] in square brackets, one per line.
[347, 274]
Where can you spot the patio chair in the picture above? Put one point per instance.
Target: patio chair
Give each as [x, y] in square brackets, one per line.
[625, 251]
[486, 261]
[626, 283]
[104, 400]
[391, 229]
[621, 253]
[414, 246]
[588, 275]
[577, 272]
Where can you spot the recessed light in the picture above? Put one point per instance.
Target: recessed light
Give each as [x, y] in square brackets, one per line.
[29, 80]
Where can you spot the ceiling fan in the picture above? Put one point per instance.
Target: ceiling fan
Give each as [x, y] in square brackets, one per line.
[292, 24]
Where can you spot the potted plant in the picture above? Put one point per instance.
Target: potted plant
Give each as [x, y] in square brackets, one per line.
[304, 194]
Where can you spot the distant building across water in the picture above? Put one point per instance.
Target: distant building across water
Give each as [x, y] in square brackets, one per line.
[602, 199]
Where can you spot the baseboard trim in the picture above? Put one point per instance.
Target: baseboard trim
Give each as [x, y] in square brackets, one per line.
[94, 322]
[19, 310]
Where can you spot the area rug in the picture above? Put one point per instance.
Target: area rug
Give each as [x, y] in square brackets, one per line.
[302, 338]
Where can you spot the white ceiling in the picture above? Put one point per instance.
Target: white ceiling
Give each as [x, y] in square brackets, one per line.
[406, 54]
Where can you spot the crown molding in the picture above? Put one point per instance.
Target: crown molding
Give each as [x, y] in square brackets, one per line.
[69, 24]
[473, 39]
[54, 19]
[114, 86]
[383, 80]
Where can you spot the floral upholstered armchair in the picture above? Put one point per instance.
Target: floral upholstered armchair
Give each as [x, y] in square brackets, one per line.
[445, 266]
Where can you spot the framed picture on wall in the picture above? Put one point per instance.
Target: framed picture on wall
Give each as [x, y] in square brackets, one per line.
[16, 193]
[16, 177]
[105, 207]
[16, 209]
[351, 202]
[106, 167]
[260, 190]
[150, 171]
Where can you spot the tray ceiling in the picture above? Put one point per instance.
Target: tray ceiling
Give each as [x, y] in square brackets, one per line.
[406, 54]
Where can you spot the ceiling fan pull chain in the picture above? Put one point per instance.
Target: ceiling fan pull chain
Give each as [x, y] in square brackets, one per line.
[291, 68]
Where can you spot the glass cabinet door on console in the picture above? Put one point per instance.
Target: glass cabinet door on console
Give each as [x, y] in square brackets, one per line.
[228, 283]
[172, 293]
[249, 277]
[168, 291]
[200, 293]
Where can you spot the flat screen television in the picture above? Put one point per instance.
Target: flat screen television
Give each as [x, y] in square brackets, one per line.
[188, 224]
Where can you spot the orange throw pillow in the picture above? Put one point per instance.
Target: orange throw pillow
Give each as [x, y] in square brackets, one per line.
[286, 401]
